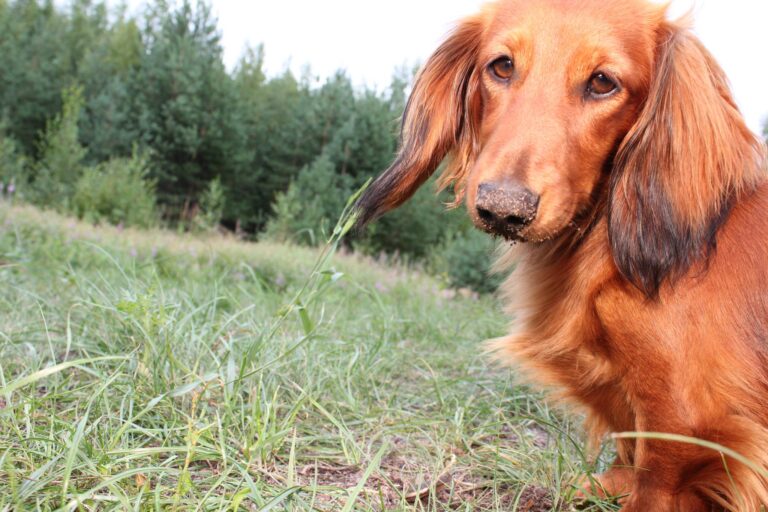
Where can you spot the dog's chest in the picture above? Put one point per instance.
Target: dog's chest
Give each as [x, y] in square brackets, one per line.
[557, 331]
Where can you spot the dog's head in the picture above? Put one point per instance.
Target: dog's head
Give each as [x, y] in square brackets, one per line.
[554, 111]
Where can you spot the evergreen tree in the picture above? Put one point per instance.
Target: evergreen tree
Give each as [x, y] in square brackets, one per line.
[185, 103]
[61, 155]
[35, 67]
[276, 150]
[107, 73]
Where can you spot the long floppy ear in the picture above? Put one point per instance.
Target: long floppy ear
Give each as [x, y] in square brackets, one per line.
[437, 120]
[680, 169]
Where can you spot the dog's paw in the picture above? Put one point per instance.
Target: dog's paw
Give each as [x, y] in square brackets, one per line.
[616, 483]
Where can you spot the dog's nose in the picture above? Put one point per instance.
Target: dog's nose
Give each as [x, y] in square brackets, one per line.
[505, 208]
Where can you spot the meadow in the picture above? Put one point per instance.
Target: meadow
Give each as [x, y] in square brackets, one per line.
[151, 370]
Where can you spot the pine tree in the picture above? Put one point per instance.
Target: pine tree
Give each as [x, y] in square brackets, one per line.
[35, 67]
[61, 155]
[108, 71]
[185, 103]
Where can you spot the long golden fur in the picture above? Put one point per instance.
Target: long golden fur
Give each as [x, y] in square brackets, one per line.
[642, 291]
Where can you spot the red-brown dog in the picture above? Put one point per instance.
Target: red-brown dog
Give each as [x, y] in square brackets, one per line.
[606, 138]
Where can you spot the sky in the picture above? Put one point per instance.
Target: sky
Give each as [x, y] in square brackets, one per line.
[371, 38]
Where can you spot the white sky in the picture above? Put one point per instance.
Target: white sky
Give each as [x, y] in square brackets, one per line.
[370, 38]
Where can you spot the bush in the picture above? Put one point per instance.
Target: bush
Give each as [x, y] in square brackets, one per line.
[117, 191]
[309, 209]
[414, 229]
[465, 261]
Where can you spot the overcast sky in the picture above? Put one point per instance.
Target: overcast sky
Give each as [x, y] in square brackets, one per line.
[370, 38]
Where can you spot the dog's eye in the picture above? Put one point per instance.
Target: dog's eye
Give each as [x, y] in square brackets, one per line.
[600, 85]
[502, 68]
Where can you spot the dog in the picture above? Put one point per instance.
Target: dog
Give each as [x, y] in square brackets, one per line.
[602, 140]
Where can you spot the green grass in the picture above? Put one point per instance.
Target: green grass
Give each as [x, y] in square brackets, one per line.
[147, 371]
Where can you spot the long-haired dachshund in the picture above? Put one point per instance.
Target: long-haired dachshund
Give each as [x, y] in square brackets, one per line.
[604, 139]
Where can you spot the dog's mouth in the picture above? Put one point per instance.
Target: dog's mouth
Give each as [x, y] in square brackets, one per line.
[527, 235]
[500, 230]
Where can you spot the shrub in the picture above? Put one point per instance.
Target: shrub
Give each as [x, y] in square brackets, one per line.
[414, 229]
[465, 261]
[308, 210]
[117, 191]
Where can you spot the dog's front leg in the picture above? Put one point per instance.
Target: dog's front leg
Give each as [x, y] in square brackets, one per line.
[652, 486]
[659, 476]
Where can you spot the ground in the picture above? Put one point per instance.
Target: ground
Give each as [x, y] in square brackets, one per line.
[152, 370]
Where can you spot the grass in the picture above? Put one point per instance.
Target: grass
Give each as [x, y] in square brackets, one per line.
[143, 370]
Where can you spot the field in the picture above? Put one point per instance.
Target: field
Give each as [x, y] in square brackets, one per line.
[146, 370]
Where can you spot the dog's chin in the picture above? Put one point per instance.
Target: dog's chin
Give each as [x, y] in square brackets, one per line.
[542, 237]
[523, 236]
[539, 233]
[534, 233]
[508, 235]
[517, 237]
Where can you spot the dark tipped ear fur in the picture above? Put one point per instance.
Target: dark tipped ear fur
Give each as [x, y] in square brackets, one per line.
[434, 123]
[680, 168]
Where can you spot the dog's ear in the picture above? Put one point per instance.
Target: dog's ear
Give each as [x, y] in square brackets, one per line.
[680, 168]
[437, 120]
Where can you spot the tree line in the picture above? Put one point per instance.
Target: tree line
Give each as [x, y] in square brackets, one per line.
[135, 119]
[159, 82]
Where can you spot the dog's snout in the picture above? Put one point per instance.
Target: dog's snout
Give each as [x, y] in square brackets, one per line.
[505, 208]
